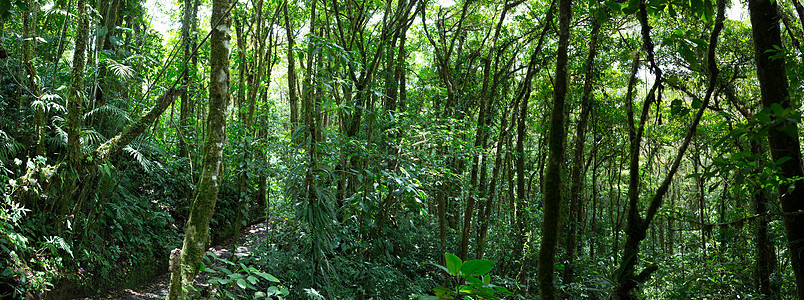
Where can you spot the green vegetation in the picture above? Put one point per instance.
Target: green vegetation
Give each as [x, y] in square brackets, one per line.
[640, 149]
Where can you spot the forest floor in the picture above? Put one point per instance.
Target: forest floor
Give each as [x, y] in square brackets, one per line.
[157, 288]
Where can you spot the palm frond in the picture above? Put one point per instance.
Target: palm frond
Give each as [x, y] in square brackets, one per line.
[60, 139]
[146, 163]
[119, 69]
[118, 115]
[90, 137]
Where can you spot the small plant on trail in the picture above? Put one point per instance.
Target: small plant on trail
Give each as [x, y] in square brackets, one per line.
[236, 280]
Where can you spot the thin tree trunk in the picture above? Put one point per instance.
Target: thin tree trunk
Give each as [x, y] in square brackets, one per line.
[29, 25]
[576, 175]
[292, 81]
[637, 226]
[186, 106]
[481, 131]
[783, 135]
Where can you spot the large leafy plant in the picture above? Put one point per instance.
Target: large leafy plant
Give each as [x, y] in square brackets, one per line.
[474, 277]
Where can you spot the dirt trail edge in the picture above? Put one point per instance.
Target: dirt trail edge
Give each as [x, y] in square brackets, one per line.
[158, 287]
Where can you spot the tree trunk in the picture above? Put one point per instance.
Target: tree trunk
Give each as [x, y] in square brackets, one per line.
[552, 176]
[29, 25]
[197, 229]
[187, 37]
[492, 188]
[783, 135]
[766, 254]
[292, 95]
[576, 175]
[75, 100]
[637, 226]
[481, 131]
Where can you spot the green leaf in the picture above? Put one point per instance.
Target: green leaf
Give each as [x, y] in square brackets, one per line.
[782, 160]
[477, 267]
[453, 263]
[252, 279]
[486, 279]
[633, 6]
[474, 280]
[267, 276]
[614, 6]
[688, 55]
[439, 266]
[241, 283]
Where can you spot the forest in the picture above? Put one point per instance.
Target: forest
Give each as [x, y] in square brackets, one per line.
[402, 149]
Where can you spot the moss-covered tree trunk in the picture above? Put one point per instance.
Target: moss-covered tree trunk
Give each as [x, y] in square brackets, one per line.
[552, 176]
[576, 174]
[783, 136]
[187, 38]
[75, 99]
[206, 194]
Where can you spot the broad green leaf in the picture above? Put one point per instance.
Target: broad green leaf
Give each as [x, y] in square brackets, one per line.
[439, 266]
[241, 283]
[477, 267]
[782, 160]
[614, 6]
[453, 263]
[267, 276]
[474, 280]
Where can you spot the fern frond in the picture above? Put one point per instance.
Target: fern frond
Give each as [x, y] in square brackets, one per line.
[8, 146]
[141, 159]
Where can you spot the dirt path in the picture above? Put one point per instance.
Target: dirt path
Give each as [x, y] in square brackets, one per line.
[158, 287]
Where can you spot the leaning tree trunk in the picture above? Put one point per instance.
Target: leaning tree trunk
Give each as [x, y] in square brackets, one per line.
[552, 176]
[637, 226]
[206, 194]
[783, 136]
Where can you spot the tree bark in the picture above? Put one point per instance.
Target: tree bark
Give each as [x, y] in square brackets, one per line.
[197, 229]
[783, 134]
[293, 98]
[188, 37]
[481, 131]
[576, 175]
[637, 226]
[75, 100]
[29, 25]
[552, 176]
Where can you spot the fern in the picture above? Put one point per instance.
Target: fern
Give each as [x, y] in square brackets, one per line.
[8, 146]
[56, 242]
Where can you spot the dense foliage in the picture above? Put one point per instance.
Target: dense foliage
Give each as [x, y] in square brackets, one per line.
[405, 148]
